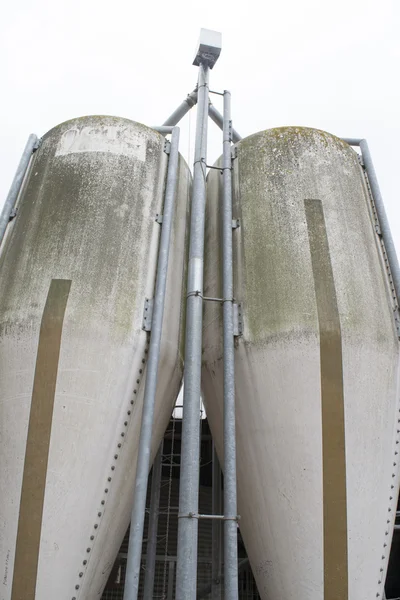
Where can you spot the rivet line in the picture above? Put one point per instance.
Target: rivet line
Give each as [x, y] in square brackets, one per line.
[109, 478]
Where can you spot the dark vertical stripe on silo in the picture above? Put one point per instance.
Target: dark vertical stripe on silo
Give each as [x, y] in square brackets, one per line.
[38, 441]
[332, 409]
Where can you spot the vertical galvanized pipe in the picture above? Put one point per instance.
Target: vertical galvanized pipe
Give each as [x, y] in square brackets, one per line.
[151, 548]
[383, 220]
[218, 119]
[143, 461]
[190, 450]
[230, 501]
[216, 550]
[16, 184]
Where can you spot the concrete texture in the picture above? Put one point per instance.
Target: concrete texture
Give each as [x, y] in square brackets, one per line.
[288, 451]
[86, 214]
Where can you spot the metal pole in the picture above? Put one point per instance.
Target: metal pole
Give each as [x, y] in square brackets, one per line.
[214, 114]
[182, 109]
[143, 461]
[230, 501]
[151, 549]
[206, 590]
[383, 220]
[216, 551]
[352, 141]
[190, 449]
[163, 129]
[12, 196]
[219, 120]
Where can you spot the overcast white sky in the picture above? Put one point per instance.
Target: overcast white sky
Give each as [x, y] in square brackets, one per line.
[327, 64]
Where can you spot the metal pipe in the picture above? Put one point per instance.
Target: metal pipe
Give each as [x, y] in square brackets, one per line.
[352, 141]
[182, 109]
[218, 119]
[230, 491]
[383, 220]
[216, 550]
[190, 449]
[12, 196]
[143, 461]
[162, 129]
[151, 548]
[206, 590]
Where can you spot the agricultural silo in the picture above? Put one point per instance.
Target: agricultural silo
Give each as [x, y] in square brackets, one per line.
[77, 265]
[317, 407]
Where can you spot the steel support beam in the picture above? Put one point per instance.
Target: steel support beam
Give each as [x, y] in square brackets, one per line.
[163, 129]
[216, 550]
[383, 220]
[352, 141]
[15, 188]
[182, 109]
[206, 590]
[230, 492]
[143, 461]
[186, 577]
[151, 549]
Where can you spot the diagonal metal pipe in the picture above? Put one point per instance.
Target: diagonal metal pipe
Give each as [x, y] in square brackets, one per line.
[182, 109]
[187, 104]
[12, 196]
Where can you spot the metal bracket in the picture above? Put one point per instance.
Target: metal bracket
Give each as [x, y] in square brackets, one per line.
[237, 320]
[235, 223]
[13, 214]
[147, 314]
[233, 152]
[37, 145]
[167, 146]
[360, 160]
[159, 219]
[230, 131]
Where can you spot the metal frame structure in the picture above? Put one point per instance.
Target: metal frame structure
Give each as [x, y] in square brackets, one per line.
[186, 581]
[382, 223]
[143, 461]
[190, 450]
[7, 213]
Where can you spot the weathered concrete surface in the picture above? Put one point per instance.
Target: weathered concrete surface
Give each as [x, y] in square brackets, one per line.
[316, 376]
[87, 215]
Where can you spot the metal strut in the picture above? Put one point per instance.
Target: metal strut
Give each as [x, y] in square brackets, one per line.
[31, 146]
[385, 233]
[230, 491]
[151, 549]
[143, 461]
[187, 104]
[190, 450]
